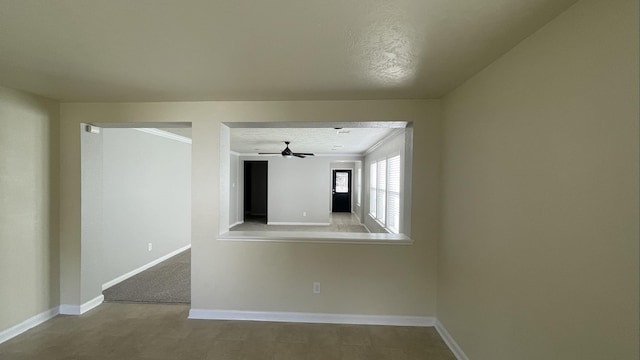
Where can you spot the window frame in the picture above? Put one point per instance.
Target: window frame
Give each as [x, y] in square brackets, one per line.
[401, 128]
[375, 191]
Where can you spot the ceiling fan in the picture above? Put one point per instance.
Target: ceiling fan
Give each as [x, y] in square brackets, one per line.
[288, 153]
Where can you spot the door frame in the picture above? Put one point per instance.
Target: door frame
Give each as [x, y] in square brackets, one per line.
[244, 188]
[351, 185]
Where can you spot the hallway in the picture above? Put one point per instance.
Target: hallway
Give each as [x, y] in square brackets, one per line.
[169, 282]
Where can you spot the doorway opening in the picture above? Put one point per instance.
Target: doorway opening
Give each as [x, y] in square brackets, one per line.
[341, 191]
[136, 212]
[255, 191]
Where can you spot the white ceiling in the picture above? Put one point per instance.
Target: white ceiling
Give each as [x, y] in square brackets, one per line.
[160, 50]
[320, 141]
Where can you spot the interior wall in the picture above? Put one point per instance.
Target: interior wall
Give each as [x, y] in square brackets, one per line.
[539, 256]
[29, 264]
[92, 213]
[274, 276]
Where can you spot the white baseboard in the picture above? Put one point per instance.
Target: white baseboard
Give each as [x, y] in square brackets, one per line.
[451, 343]
[208, 314]
[296, 223]
[142, 268]
[27, 324]
[236, 223]
[66, 309]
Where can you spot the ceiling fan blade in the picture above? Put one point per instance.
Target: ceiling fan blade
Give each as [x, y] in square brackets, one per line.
[305, 154]
[298, 155]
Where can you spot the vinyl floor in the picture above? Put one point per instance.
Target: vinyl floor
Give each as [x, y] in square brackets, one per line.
[144, 331]
[339, 222]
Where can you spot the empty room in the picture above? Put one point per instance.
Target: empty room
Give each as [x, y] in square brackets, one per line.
[400, 179]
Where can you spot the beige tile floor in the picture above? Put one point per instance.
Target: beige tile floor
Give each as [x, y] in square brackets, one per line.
[136, 331]
[339, 222]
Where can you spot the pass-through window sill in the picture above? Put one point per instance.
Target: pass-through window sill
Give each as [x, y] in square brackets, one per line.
[317, 237]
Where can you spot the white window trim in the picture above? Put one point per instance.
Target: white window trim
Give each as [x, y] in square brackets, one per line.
[358, 185]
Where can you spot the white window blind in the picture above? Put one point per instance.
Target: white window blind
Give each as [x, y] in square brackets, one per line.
[381, 181]
[358, 185]
[393, 194]
[372, 189]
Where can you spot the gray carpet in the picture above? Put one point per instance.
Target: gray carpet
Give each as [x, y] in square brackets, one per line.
[166, 283]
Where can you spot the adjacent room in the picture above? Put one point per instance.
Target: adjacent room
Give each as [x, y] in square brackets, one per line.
[136, 213]
[399, 179]
[330, 187]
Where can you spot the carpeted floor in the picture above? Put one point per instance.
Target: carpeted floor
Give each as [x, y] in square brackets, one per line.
[166, 283]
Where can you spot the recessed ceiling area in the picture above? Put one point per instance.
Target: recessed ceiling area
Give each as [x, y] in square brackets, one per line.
[166, 50]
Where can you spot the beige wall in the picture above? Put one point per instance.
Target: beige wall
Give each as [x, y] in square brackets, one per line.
[356, 279]
[28, 206]
[539, 256]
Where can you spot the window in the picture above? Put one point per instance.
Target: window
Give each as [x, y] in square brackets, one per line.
[393, 194]
[381, 189]
[358, 185]
[372, 189]
[384, 193]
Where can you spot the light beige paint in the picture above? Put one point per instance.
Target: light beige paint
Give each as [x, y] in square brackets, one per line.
[539, 256]
[28, 206]
[356, 279]
[167, 50]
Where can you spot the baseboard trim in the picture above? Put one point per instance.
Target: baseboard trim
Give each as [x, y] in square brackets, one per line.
[31, 322]
[451, 343]
[296, 223]
[142, 268]
[236, 224]
[66, 309]
[207, 314]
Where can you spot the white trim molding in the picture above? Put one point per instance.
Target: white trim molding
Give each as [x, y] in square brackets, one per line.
[66, 309]
[451, 343]
[165, 134]
[31, 322]
[144, 267]
[236, 223]
[208, 314]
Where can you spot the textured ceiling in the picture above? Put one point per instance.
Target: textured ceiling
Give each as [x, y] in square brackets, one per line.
[159, 50]
[314, 140]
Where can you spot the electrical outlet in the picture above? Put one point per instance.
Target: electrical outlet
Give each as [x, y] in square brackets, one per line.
[316, 287]
[150, 246]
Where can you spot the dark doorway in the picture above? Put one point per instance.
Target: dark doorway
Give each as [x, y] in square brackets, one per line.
[255, 191]
[341, 190]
